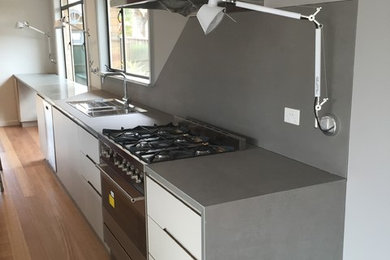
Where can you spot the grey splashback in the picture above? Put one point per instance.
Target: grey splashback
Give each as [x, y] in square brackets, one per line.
[242, 75]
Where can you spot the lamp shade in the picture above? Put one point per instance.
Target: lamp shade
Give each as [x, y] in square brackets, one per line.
[209, 16]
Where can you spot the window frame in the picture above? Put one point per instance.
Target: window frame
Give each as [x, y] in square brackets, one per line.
[141, 79]
[67, 7]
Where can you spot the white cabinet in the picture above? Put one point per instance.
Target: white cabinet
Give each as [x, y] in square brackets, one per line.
[65, 135]
[46, 130]
[285, 3]
[173, 227]
[41, 124]
[50, 152]
[77, 151]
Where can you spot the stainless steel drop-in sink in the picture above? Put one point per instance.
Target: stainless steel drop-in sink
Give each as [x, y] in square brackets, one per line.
[104, 107]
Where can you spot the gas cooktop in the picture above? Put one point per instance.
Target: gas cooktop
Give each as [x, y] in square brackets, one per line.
[173, 141]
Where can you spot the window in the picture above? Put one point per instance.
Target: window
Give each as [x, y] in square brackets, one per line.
[74, 41]
[129, 41]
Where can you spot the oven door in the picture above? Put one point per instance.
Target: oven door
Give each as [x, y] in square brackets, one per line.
[123, 215]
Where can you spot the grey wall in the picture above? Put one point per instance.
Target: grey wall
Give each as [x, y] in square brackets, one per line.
[241, 76]
[367, 227]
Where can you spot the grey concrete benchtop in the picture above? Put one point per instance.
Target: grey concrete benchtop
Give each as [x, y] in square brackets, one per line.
[58, 91]
[215, 179]
[202, 181]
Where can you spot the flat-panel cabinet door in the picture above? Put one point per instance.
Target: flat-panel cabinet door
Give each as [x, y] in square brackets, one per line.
[67, 153]
[41, 124]
[50, 151]
[92, 207]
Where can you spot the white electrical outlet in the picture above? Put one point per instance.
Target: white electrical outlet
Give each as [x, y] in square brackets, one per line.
[291, 116]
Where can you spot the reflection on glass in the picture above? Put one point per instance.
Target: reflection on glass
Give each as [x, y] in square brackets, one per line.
[78, 44]
[137, 41]
[116, 54]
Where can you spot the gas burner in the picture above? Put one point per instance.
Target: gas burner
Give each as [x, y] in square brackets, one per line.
[167, 142]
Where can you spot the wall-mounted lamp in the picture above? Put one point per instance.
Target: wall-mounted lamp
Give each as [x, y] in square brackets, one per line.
[59, 24]
[210, 15]
[25, 24]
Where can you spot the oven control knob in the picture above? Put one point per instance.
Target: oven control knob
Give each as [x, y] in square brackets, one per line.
[117, 161]
[134, 176]
[136, 171]
[123, 164]
[132, 167]
[129, 173]
[138, 179]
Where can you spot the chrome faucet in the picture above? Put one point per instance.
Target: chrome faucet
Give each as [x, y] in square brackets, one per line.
[125, 98]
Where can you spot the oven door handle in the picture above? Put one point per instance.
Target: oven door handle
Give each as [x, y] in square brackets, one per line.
[132, 199]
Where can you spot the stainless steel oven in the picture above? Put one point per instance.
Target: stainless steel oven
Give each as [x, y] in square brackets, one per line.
[123, 215]
[124, 153]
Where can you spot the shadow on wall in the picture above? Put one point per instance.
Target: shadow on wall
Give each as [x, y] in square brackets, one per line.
[8, 110]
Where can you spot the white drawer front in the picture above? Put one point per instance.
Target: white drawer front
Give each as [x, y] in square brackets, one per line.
[162, 246]
[170, 213]
[89, 145]
[90, 173]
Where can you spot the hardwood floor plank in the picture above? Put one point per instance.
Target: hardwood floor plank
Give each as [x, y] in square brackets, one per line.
[38, 220]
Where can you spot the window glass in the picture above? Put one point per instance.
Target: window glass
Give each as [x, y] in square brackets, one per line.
[137, 41]
[74, 42]
[78, 44]
[129, 41]
[115, 25]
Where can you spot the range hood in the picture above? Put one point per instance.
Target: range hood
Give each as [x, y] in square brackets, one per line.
[183, 7]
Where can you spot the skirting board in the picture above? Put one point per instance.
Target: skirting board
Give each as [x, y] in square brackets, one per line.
[9, 123]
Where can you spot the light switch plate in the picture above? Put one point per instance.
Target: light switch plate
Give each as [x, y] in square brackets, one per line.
[291, 116]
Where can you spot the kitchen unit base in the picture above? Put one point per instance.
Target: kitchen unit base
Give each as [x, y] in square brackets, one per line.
[305, 223]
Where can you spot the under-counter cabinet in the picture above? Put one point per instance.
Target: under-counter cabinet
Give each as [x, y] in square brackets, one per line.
[247, 205]
[76, 153]
[46, 130]
[174, 228]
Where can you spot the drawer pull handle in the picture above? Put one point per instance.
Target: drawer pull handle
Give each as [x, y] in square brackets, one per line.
[133, 200]
[185, 249]
[89, 158]
[93, 187]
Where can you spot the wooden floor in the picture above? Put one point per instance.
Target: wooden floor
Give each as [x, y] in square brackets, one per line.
[38, 220]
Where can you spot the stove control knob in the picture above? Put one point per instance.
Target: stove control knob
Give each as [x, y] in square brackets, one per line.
[132, 167]
[138, 179]
[123, 164]
[129, 173]
[136, 171]
[134, 176]
[110, 153]
[117, 161]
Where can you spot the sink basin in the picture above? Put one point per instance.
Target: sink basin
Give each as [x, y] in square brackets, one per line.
[104, 107]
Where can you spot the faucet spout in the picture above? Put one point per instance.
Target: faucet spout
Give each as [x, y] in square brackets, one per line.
[125, 97]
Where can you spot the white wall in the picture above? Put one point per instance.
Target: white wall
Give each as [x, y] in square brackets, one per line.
[21, 51]
[367, 229]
